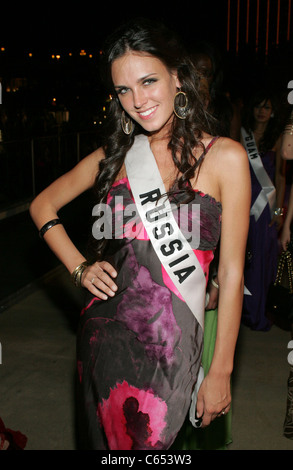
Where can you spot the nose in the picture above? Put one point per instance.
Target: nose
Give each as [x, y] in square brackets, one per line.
[139, 98]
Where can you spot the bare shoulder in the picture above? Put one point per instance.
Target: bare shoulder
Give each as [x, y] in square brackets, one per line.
[229, 151]
[230, 159]
[230, 166]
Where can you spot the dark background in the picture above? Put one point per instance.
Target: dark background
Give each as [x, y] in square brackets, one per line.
[82, 24]
[29, 115]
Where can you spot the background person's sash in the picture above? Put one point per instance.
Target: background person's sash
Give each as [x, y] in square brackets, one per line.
[267, 194]
[170, 245]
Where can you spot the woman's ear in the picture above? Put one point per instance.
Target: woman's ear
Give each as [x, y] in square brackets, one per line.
[177, 82]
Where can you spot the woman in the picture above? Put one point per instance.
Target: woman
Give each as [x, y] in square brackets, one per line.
[260, 136]
[209, 64]
[287, 154]
[140, 336]
[287, 244]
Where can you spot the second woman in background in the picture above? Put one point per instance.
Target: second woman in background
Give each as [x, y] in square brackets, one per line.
[260, 135]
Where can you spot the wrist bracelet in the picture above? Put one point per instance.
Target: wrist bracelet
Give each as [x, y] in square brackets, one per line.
[289, 126]
[77, 273]
[215, 284]
[48, 225]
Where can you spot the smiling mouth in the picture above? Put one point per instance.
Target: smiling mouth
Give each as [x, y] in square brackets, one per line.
[148, 113]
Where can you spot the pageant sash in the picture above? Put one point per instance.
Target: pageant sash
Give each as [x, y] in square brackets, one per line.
[170, 245]
[267, 194]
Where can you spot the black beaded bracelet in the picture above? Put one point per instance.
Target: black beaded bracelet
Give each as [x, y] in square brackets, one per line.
[49, 225]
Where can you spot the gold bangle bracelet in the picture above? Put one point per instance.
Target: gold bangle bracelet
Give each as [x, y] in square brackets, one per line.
[77, 273]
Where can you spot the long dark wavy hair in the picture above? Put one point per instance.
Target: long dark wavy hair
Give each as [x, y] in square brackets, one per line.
[275, 124]
[156, 40]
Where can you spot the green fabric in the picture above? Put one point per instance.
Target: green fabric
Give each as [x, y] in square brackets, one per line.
[218, 434]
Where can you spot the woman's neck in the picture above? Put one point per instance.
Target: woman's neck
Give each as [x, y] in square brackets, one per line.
[260, 128]
[259, 131]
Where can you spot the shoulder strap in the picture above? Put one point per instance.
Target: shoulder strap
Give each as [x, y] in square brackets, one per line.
[214, 139]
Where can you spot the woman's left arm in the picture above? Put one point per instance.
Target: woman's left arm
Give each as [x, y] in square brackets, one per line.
[233, 177]
[280, 183]
[287, 140]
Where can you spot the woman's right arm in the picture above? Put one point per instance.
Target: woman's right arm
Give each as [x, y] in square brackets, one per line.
[45, 207]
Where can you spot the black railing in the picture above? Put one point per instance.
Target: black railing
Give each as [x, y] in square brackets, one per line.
[28, 166]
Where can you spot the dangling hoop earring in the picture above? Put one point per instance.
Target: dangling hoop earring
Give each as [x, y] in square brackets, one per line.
[181, 105]
[126, 124]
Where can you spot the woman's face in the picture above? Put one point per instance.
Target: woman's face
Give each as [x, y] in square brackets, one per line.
[205, 67]
[263, 111]
[146, 89]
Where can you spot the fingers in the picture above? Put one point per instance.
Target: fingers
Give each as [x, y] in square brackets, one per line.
[98, 279]
[213, 297]
[212, 304]
[209, 408]
[277, 220]
[209, 417]
[284, 245]
[223, 412]
[199, 408]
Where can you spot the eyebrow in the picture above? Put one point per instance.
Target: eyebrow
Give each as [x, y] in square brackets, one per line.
[118, 87]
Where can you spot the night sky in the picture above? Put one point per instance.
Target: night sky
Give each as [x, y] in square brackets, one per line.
[48, 28]
[85, 24]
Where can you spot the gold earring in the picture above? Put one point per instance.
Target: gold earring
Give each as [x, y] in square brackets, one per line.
[181, 105]
[126, 124]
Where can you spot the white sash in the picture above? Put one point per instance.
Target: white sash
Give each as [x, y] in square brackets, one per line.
[268, 191]
[170, 245]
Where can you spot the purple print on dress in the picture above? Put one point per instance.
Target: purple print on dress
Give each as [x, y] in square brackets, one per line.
[146, 309]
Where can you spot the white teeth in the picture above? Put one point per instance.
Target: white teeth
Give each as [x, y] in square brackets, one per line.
[148, 112]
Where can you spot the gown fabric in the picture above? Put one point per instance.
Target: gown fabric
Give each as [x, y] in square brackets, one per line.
[139, 353]
[218, 435]
[261, 267]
